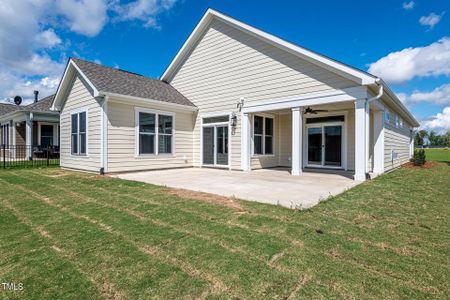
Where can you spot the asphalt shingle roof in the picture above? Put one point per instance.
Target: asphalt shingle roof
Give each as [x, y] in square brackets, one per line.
[110, 80]
[7, 108]
[42, 105]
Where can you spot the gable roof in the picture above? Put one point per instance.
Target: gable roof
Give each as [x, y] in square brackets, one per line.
[337, 67]
[110, 81]
[347, 71]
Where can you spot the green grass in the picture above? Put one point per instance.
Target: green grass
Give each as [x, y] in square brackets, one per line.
[438, 154]
[68, 235]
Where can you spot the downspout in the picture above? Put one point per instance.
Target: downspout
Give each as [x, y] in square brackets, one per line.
[380, 91]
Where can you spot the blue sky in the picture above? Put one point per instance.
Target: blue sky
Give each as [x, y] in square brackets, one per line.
[406, 42]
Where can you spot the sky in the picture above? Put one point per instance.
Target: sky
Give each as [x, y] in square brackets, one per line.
[407, 43]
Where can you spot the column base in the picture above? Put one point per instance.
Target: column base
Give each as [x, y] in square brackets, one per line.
[359, 177]
[296, 172]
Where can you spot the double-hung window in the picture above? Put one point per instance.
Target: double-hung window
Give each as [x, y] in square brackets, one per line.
[155, 132]
[79, 133]
[262, 135]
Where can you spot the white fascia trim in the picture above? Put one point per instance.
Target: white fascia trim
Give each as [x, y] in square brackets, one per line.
[313, 57]
[60, 91]
[344, 95]
[119, 98]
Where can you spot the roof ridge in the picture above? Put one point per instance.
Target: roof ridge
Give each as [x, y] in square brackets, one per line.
[112, 68]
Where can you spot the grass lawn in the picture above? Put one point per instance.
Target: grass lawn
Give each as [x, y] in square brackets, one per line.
[439, 154]
[81, 236]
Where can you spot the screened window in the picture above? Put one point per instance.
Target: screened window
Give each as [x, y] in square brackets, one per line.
[78, 133]
[155, 133]
[262, 135]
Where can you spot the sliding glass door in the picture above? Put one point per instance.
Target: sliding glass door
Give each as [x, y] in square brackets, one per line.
[324, 145]
[215, 145]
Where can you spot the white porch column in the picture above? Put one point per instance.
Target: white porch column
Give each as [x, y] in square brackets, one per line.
[246, 142]
[378, 141]
[297, 130]
[361, 138]
[29, 135]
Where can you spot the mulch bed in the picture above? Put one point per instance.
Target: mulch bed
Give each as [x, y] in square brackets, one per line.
[427, 165]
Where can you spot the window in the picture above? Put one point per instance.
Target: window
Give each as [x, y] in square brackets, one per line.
[396, 121]
[4, 134]
[78, 133]
[262, 135]
[155, 132]
[401, 123]
[387, 116]
[46, 132]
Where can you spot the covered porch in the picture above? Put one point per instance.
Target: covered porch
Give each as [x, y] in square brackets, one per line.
[321, 132]
[32, 134]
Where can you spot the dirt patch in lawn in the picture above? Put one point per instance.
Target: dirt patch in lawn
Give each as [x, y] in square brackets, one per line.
[427, 165]
[210, 198]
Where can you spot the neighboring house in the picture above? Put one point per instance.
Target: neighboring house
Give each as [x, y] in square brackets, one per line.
[25, 129]
[234, 97]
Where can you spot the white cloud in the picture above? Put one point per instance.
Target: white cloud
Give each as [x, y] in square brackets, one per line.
[143, 10]
[86, 17]
[48, 39]
[431, 20]
[440, 96]
[439, 122]
[401, 66]
[408, 5]
[31, 34]
[12, 85]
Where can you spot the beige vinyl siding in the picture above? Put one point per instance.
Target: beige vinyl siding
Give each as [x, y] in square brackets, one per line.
[285, 140]
[397, 141]
[227, 64]
[78, 98]
[122, 140]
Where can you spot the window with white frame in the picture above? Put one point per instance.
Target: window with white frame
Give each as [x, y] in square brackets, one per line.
[155, 132]
[262, 135]
[79, 133]
[401, 123]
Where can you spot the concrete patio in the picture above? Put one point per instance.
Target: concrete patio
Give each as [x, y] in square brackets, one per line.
[272, 186]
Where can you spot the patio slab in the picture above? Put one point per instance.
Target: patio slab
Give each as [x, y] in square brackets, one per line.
[272, 186]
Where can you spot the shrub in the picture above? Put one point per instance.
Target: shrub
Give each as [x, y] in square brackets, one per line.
[419, 157]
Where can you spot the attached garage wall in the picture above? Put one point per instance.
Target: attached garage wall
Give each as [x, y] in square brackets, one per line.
[122, 140]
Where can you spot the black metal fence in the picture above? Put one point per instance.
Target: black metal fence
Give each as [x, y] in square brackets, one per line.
[14, 156]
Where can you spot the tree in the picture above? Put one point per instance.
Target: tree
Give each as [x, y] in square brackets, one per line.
[420, 137]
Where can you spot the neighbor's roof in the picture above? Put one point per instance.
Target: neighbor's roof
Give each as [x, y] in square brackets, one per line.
[7, 108]
[42, 105]
[106, 80]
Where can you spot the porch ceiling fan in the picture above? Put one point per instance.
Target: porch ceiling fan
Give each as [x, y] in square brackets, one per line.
[309, 110]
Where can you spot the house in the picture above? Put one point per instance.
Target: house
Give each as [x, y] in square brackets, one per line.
[25, 130]
[237, 98]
